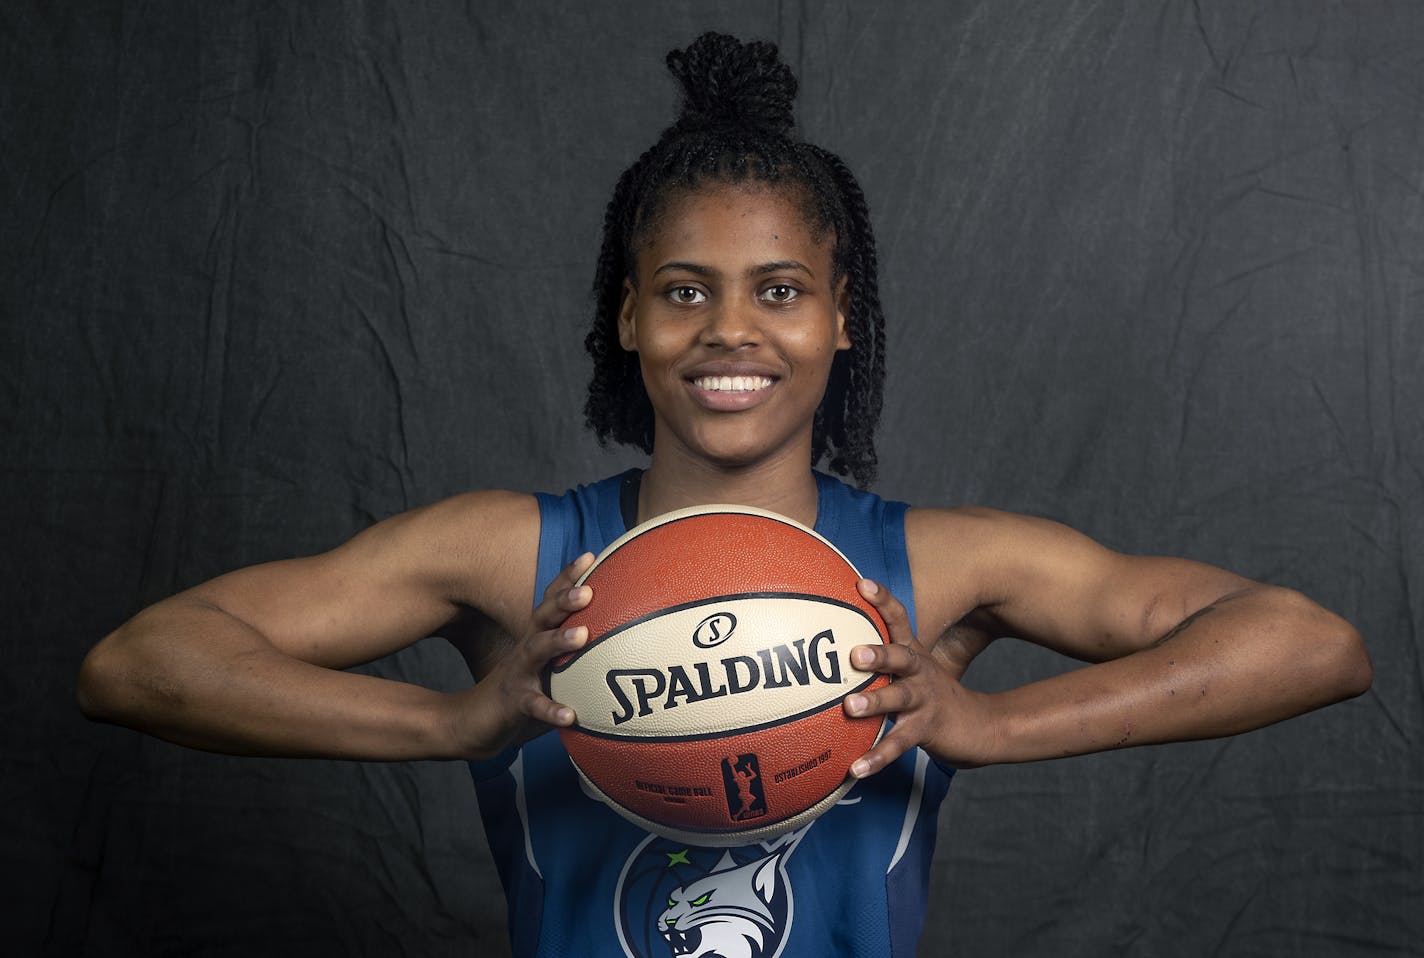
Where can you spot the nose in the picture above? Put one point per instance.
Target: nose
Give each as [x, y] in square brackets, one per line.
[731, 325]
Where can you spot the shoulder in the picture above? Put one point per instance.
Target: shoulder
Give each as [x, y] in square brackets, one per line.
[1045, 582]
[471, 523]
[476, 549]
[466, 559]
[986, 533]
[993, 543]
[947, 550]
[974, 557]
[459, 528]
[945, 541]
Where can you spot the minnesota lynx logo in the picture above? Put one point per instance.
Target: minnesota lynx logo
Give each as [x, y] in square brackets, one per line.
[689, 902]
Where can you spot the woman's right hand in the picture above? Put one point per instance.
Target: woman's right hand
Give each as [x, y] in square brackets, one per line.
[508, 705]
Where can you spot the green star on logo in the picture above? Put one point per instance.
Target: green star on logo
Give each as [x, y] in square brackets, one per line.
[677, 858]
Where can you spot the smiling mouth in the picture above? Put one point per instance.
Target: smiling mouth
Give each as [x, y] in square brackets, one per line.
[732, 384]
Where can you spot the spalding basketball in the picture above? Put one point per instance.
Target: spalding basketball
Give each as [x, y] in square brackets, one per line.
[709, 694]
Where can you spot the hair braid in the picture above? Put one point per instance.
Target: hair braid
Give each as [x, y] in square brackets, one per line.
[865, 369]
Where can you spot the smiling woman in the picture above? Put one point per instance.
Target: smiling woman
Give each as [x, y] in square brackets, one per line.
[738, 338]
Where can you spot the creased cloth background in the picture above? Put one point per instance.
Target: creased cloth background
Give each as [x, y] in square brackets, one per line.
[270, 272]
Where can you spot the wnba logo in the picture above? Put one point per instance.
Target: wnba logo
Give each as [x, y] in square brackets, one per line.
[714, 630]
[746, 796]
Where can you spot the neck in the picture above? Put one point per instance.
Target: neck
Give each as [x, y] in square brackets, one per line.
[785, 485]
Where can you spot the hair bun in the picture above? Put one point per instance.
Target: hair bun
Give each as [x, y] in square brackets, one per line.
[726, 82]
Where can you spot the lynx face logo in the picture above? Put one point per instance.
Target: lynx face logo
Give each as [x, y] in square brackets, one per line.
[726, 912]
[676, 901]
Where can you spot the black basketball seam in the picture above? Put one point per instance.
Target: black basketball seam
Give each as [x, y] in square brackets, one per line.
[683, 606]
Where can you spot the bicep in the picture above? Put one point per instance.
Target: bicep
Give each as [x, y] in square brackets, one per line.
[401, 580]
[1044, 582]
[1109, 605]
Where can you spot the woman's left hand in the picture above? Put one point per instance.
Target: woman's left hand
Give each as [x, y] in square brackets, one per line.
[931, 708]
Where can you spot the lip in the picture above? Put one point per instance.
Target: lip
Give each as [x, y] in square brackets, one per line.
[762, 380]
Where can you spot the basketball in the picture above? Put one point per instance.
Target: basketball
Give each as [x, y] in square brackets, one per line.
[709, 693]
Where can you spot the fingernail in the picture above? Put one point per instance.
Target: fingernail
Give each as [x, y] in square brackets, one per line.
[869, 587]
[859, 768]
[578, 635]
[862, 657]
[856, 703]
[576, 594]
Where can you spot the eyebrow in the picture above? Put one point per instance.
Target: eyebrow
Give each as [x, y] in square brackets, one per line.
[697, 269]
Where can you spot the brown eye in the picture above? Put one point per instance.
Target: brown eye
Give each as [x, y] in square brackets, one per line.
[686, 295]
[780, 293]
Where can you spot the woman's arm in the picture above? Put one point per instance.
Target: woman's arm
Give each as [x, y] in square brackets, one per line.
[1182, 650]
[250, 662]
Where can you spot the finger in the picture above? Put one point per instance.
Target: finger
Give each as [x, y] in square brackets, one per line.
[552, 612]
[897, 620]
[529, 683]
[889, 700]
[897, 660]
[542, 647]
[895, 743]
[540, 707]
[562, 597]
[569, 574]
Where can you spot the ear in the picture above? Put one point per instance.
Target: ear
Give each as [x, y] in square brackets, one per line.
[764, 879]
[842, 311]
[627, 324]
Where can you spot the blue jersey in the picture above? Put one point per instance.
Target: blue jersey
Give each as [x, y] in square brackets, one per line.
[580, 880]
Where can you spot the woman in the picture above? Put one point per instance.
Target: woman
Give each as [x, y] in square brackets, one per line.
[738, 339]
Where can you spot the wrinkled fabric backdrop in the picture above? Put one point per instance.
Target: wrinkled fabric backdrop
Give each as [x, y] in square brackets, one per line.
[270, 272]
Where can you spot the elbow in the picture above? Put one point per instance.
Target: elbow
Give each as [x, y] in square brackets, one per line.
[95, 690]
[1340, 661]
[1355, 673]
[114, 685]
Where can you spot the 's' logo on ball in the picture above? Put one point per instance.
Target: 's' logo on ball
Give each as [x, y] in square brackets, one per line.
[714, 630]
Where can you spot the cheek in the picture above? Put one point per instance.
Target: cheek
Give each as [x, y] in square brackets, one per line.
[659, 344]
[656, 360]
[819, 345]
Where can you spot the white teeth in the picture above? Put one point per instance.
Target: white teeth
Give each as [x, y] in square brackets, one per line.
[733, 384]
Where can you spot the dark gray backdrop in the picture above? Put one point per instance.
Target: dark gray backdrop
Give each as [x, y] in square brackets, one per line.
[269, 272]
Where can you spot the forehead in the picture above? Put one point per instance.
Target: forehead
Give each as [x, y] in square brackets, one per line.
[732, 226]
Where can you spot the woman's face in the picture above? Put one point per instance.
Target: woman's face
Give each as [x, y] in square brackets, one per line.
[735, 322]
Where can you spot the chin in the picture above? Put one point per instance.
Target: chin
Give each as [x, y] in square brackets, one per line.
[733, 456]
[735, 442]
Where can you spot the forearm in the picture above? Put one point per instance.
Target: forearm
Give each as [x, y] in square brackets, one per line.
[1241, 663]
[193, 675]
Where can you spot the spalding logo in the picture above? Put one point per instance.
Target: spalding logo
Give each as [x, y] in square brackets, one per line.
[639, 692]
[714, 630]
[646, 680]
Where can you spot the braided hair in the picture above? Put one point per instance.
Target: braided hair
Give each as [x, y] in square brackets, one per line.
[735, 126]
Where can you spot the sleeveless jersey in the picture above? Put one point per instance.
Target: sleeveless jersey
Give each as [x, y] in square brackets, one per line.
[580, 880]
